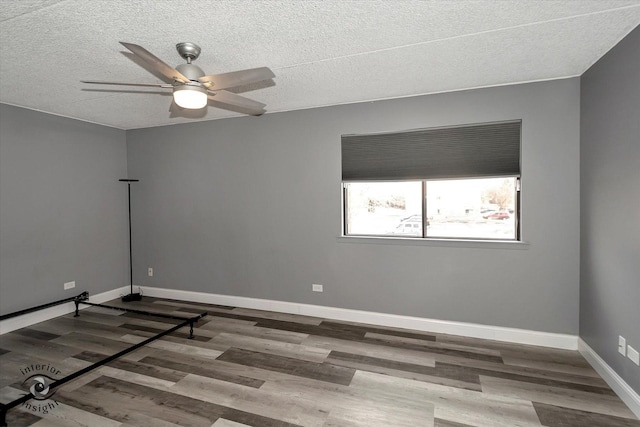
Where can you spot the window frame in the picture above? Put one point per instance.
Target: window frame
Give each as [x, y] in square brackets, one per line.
[424, 237]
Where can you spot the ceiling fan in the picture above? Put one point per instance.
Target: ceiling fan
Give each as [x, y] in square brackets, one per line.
[192, 88]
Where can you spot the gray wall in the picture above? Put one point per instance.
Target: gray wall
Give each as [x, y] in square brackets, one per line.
[610, 205]
[62, 210]
[251, 207]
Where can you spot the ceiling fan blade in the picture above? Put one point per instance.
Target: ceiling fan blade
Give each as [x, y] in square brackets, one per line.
[252, 107]
[157, 63]
[237, 78]
[127, 84]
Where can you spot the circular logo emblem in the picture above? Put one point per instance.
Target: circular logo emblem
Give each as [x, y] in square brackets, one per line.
[39, 386]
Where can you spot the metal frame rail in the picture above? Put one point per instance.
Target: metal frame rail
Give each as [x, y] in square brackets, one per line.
[82, 299]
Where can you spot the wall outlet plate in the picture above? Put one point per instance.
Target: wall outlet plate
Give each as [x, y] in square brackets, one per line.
[317, 288]
[69, 285]
[622, 345]
[150, 271]
[633, 354]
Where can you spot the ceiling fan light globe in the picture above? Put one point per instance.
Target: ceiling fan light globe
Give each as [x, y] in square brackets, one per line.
[190, 97]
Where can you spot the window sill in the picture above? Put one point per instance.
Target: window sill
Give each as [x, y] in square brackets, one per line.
[450, 243]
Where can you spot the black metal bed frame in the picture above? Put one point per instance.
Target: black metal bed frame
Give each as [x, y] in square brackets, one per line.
[83, 298]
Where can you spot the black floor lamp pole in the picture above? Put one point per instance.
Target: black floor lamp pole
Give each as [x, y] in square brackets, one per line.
[131, 296]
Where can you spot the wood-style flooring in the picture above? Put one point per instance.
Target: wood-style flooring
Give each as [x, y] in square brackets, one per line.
[263, 369]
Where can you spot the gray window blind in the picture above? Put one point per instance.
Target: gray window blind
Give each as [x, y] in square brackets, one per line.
[479, 150]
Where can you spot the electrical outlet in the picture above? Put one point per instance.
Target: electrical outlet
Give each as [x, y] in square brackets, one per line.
[622, 345]
[317, 288]
[69, 285]
[150, 272]
[633, 354]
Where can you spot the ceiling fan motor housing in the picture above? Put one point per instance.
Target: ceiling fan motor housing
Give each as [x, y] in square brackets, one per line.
[190, 71]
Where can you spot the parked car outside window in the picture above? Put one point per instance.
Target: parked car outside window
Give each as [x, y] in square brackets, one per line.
[497, 215]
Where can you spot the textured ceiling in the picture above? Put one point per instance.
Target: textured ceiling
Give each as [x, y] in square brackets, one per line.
[322, 52]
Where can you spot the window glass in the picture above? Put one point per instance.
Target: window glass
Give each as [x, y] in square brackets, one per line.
[472, 208]
[384, 208]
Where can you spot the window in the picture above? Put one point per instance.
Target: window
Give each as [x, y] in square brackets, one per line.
[460, 183]
[461, 208]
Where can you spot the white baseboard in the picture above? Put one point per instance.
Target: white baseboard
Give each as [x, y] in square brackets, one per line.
[474, 330]
[617, 384]
[498, 333]
[32, 318]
